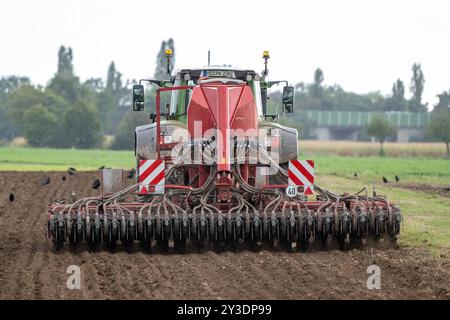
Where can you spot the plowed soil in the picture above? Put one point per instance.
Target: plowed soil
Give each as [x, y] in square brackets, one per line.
[440, 190]
[30, 269]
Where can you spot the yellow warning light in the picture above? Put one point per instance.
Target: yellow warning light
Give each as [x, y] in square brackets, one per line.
[168, 52]
[266, 55]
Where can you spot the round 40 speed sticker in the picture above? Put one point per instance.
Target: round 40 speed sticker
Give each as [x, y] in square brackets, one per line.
[291, 191]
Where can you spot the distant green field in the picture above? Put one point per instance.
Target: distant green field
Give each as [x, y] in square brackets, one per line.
[31, 159]
[414, 170]
[372, 169]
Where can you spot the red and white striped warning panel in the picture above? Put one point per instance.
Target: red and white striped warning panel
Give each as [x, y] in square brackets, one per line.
[151, 176]
[301, 173]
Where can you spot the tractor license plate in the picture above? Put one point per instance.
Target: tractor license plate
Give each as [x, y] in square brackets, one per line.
[221, 74]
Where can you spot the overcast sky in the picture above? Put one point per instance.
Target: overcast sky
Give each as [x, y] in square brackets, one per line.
[361, 45]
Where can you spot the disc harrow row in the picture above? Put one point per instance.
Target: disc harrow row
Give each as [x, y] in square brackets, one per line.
[296, 227]
[184, 216]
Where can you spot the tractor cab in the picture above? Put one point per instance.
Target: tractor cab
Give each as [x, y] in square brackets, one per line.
[186, 79]
[243, 96]
[192, 77]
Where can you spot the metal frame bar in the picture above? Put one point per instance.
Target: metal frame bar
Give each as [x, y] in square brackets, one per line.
[158, 113]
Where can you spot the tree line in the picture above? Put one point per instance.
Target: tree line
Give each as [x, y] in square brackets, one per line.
[69, 113]
[317, 96]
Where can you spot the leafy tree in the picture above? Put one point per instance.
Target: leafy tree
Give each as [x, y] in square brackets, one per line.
[416, 87]
[316, 96]
[66, 87]
[381, 129]
[64, 90]
[121, 96]
[161, 60]
[113, 81]
[65, 65]
[439, 127]
[65, 83]
[24, 98]
[124, 138]
[8, 85]
[113, 101]
[94, 84]
[398, 90]
[81, 126]
[316, 88]
[397, 101]
[444, 102]
[41, 127]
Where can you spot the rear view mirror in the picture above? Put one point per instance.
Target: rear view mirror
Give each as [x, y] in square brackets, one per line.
[288, 99]
[138, 97]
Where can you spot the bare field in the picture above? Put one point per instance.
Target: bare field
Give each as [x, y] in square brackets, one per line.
[30, 269]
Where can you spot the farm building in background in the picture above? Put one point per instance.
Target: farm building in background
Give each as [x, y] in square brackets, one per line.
[351, 125]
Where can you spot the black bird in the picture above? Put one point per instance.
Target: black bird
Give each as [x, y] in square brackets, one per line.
[102, 167]
[64, 178]
[11, 197]
[96, 184]
[355, 175]
[385, 180]
[397, 178]
[131, 173]
[72, 171]
[46, 181]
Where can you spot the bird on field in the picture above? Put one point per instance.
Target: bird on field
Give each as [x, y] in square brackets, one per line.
[102, 167]
[355, 175]
[64, 178]
[397, 178]
[46, 181]
[72, 171]
[385, 180]
[96, 184]
[131, 173]
[11, 197]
